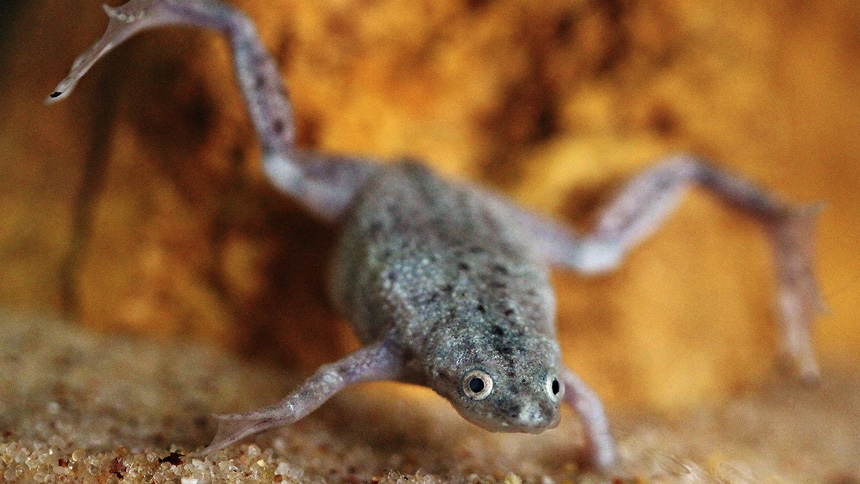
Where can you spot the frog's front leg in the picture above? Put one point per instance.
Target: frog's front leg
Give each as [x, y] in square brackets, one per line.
[376, 362]
[600, 445]
[646, 200]
[326, 185]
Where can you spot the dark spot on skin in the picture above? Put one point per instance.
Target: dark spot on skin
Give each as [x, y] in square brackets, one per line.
[278, 126]
[391, 276]
[482, 309]
[498, 285]
[498, 268]
[497, 330]
[501, 347]
[56, 94]
[509, 312]
[434, 297]
[447, 288]
[463, 267]
[261, 81]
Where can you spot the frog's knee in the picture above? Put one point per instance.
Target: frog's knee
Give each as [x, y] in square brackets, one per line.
[282, 172]
[597, 257]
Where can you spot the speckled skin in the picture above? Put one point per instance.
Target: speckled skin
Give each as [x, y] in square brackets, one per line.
[426, 263]
[446, 284]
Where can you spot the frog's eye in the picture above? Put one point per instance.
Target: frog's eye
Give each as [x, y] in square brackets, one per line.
[554, 387]
[477, 384]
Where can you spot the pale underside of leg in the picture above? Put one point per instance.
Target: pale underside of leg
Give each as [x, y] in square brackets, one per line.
[643, 203]
[376, 362]
[600, 445]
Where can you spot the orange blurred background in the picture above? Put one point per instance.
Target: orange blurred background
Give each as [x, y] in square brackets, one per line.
[138, 205]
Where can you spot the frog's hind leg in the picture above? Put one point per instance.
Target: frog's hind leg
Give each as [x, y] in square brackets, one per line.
[646, 200]
[326, 185]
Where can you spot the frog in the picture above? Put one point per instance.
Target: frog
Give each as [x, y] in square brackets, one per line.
[446, 283]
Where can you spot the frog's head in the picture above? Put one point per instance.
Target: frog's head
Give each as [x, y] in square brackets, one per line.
[489, 341]
[508, 383]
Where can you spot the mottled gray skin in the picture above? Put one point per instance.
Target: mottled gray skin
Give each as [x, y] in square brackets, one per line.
[426, 263]
[447, 284]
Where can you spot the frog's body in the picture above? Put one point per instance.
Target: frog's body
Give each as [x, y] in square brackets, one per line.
[447, 284]
[426, 263]
[433, 251]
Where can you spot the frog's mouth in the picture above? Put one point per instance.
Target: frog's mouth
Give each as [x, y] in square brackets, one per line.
[525, 429]
[526, 421]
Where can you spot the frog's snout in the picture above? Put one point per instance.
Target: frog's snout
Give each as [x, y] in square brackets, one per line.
[531, 417]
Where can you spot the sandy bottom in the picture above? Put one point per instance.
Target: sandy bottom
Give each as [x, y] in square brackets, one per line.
[78, 407]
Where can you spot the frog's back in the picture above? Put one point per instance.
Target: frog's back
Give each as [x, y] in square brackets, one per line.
[417, 249]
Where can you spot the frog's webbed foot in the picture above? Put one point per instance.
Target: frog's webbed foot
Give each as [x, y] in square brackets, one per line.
[379, 361]
[235, 427]
[798, 298]
[124, 22]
